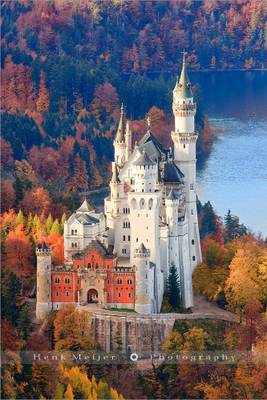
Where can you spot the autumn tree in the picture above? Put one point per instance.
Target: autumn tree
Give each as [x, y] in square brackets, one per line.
[24, 178]
[245, 280]
[37, 201]
[7, 159]
[19, 253]
[42, 103]
[7, 194]
[72, 330]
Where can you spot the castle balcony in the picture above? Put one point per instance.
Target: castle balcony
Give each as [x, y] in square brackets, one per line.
[124, 269]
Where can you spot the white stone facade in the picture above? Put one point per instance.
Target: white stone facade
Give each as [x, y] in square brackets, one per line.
[150, 218]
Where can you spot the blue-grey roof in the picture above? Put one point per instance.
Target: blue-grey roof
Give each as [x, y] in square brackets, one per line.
[144, 160]
[86, 219]
[171, 173]
[152, 146]
[183, 86]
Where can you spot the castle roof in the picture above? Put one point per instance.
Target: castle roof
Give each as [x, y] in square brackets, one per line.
[152, 146]
[171, 173]
[142, 248]
[85, 207]
[144, 160]
[42, 246]
[86, 219]
[183, 86]
[120, 135]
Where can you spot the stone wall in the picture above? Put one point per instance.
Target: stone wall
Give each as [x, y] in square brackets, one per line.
[140, 333]
[130, 333]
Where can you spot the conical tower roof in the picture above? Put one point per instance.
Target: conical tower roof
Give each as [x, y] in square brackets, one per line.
[142, 248]
[120, 135]
[183, 85]
[85, 207]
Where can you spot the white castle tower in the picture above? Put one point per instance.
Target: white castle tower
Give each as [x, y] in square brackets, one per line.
[43, 296]
[120, 146]
[144, 276]
[184, 138]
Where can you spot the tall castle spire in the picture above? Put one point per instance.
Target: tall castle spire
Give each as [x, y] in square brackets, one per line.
[120, 135]
[183, 85]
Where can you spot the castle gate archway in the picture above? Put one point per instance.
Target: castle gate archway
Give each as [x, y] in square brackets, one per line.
[92, 296]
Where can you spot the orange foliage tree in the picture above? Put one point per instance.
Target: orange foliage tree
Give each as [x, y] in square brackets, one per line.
[7, 194]
[18, 252]
[37, 201]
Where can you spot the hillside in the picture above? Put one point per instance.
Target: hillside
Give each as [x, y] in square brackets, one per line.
[67, 66]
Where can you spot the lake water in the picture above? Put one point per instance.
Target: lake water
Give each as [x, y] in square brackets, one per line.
[235, 174]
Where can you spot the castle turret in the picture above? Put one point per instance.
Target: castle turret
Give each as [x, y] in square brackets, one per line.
[44, 266]
[143, 276]
[128, 141]
[120, 147]
[145, 173]
[184, 138]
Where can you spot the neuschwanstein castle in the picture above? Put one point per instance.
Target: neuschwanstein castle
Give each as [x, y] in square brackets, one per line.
[120, 258]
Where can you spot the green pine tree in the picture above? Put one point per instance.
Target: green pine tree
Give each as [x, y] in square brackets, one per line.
[24, 322]
[19, 218]
[173, 287]
[10, 293]
[62, 222]
[56, 228]
[49, 223]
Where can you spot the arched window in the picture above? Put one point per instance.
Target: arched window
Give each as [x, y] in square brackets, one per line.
[119, 295]
[57, 279]
[129, 281]
[150, 203]
[142, 204]
[129, 295]
[67, 280]
[134, 204]
[67, 294]
[119, 281]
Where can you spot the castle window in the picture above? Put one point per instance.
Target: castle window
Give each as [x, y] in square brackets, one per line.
[193, 242]
[129, 295]
[192, 211]
[119, 294]
[191, 186]
[57, 279]
[136, 239]
[184, 146]
[129, 281]
[67, 280]
[123, 238]
[67, 294]
[96, 266]
[57, 294]
[119, 281]
[194, 258]
[72, 231]
[129, 237]
[123, 251]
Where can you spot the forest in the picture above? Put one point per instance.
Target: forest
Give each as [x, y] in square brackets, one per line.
[66, 67]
